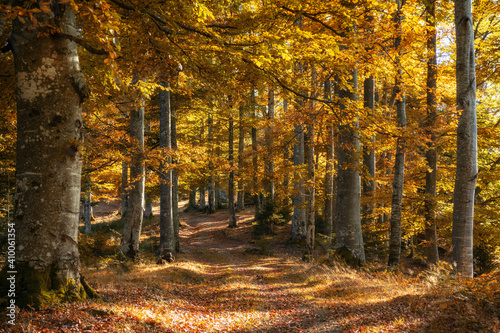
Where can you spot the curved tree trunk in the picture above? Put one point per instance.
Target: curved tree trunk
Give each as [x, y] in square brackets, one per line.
[50, 90]
[466, 174]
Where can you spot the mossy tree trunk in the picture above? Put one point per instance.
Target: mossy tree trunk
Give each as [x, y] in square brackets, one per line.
[50, 91]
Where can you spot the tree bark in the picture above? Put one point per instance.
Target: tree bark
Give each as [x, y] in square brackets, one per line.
[269, 142]
[466, 173]
[329, 176]
[348, 215]
[369, 186]
[232, 212]
[49, 90]
[132, 230]
[48, 158]
[241, 148]
[167, 233]
[175, 179]
[124, 188]
[431, 248]
[212, 202]
[399, 163]
[87, 206]
[255, 160]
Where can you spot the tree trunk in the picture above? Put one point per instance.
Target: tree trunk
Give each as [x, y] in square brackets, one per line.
[311, 191]
[241, 148]
[369, 186]
[148, 203]
[329, 176]
[212, 202]
[286, 157]
[466, 173]
[399, 163]
[49, 89]
[132, 230]
[124, 188]
[167, 234]
[175, 179]
[431, 248]
[255, 161]
[269, 142]
[232, 213]
[192, 200]
[348, 215]
[299, 210]
[87, 206]
[203, 200]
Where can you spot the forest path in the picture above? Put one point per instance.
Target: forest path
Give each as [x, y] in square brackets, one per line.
[267, 288]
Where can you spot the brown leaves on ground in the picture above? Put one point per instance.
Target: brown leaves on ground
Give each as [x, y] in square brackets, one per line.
[218, 284]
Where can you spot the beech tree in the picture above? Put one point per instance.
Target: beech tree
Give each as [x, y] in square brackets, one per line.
[50, 90]
[466, 173]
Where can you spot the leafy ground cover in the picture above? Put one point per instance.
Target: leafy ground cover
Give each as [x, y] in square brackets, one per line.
[225, 281]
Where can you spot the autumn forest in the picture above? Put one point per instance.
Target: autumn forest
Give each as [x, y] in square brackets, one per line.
[249, 166]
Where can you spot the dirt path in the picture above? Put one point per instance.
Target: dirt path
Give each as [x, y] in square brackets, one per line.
[266, 285]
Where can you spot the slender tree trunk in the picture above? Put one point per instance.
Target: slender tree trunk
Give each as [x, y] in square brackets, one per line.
[175, 179]
[466, 173]
[212, 202]
[148, 203]
[255, 161]
[348, 215]
[87, 206]
[241, 148]
[167, 233]
[329, 176]
[132, 230]
[232, 212]
[369, 186]
[49, 90]
[270, 143]
[286, 157]
[431, 247]
[124, 188]
[399, 163]
[299, 211]
[311, 190]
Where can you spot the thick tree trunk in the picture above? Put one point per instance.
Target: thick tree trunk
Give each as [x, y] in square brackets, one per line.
[241, 147]
[203, 200]
[399, 163]
[232, 212]
[132, 230]
[348, 215]
[431, 248]
[167, 233]
[466, 174]
[50, 90]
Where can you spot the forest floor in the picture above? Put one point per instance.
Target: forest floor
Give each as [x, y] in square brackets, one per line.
[224, 280]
